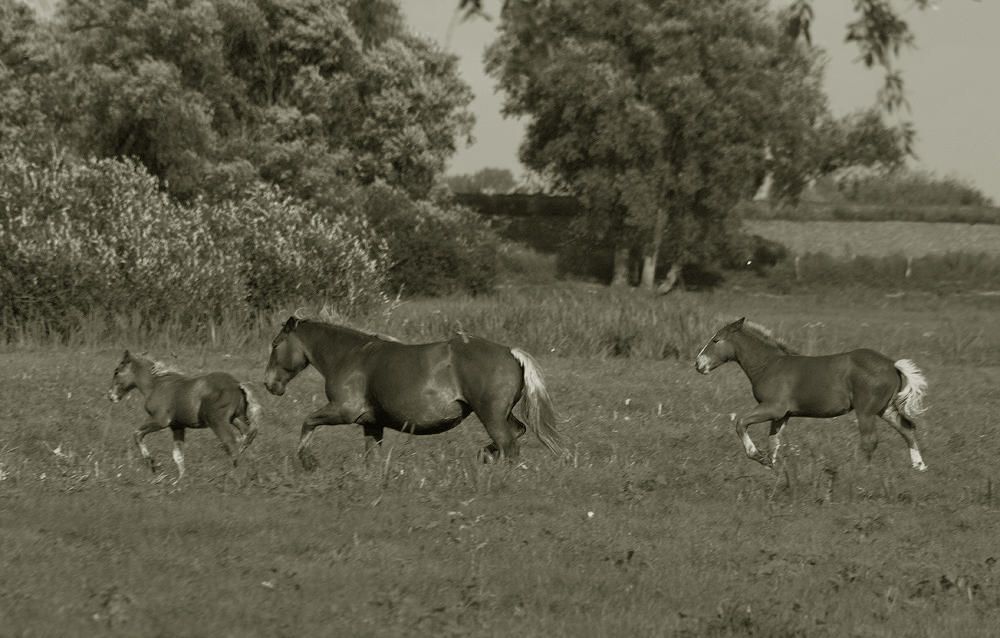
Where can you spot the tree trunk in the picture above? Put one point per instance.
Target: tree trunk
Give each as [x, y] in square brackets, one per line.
[649, 262]
[619, 276]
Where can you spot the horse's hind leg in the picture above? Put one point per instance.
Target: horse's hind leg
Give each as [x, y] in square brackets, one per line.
[908, 431]
[504, 428]
[494, 451]
[179, 452]
[777, 427]
[869, 437]
[225, 432]
[247, 433]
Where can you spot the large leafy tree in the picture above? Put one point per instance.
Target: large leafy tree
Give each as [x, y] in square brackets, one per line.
[879, 32]
[660, 115]
[312, 95]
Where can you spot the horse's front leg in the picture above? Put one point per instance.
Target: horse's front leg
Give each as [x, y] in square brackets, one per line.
[373, 439]
[759, 414]
[330, 414]
[152, 425]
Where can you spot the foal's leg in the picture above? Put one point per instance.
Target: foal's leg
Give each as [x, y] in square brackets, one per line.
[763, 412]
[179, 452]
[152, 425]
[225, 432]
[777, 427]
[908, 431]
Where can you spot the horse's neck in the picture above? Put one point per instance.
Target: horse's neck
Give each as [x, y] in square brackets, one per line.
[754, 355]
[326, 345]
[144, 378]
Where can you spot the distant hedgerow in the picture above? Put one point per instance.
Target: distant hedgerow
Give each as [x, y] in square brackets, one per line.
[101, 234]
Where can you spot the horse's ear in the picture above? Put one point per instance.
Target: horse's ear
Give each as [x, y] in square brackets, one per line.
[126, 355]
[290, 324]
[739, 324]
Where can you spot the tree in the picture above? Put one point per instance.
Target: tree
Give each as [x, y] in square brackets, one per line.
[656, 113]
[316, 96]
[488, 180]
[879, 33]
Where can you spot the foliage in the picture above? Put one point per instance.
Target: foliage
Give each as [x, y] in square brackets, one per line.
[214, 94]
[910, 188]
[100, 235]
[489, 181]
[435, 248]
[657, 114]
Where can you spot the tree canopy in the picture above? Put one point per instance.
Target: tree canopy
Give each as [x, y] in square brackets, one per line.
[213, 94]
[660, 114]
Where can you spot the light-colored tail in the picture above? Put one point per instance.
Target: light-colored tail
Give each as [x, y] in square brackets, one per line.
[910, 400]
[539, 413]
[253, 414]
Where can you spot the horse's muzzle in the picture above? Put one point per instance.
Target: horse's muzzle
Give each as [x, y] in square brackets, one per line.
[703, 364]
[275, 388]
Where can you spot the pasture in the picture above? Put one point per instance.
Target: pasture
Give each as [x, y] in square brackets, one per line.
[658, 525]
[879, 238]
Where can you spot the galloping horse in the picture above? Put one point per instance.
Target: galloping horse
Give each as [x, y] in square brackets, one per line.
[419, 389]
[787, 384]
[178, 401]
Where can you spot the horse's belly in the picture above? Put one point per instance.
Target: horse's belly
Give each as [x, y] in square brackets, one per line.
[822, 403]
[427, 417]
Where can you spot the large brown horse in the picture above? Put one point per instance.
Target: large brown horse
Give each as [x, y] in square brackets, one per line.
[787, 384]
[215, 400]
[420, 389]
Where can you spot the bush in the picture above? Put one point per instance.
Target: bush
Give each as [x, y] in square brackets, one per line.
[435, 248]
[101, 235]
[910, 188]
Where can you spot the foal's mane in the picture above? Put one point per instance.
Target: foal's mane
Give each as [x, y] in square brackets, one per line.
[764, 334]
[156, 368]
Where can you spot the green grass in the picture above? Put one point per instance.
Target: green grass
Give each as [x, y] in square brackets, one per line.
[687, 537]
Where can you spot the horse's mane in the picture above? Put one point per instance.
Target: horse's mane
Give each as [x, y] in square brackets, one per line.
[768, 337]
[156, 368]
[161, 369]
[354, 332]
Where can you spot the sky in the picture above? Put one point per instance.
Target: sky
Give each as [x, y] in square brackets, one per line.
[952, 79]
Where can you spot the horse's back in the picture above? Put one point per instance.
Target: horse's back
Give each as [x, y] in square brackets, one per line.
[830, 385]
[486, 368]
[188, 401]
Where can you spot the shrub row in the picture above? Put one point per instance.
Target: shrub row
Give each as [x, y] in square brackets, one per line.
[101, 235]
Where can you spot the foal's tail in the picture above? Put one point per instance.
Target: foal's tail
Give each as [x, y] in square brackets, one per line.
[910, 400]
[252, 414]
[539, 413]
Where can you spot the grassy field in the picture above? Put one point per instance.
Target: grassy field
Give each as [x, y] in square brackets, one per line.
[657, 526]
[878, 239]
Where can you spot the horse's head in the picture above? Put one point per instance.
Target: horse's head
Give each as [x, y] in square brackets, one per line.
[719, 350]
[124, 379]
[288, 358]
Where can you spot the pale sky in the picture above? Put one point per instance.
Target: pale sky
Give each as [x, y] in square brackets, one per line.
[952, 83]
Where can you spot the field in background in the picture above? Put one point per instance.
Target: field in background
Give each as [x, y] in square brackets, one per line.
[879, 239]
[657, 525]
